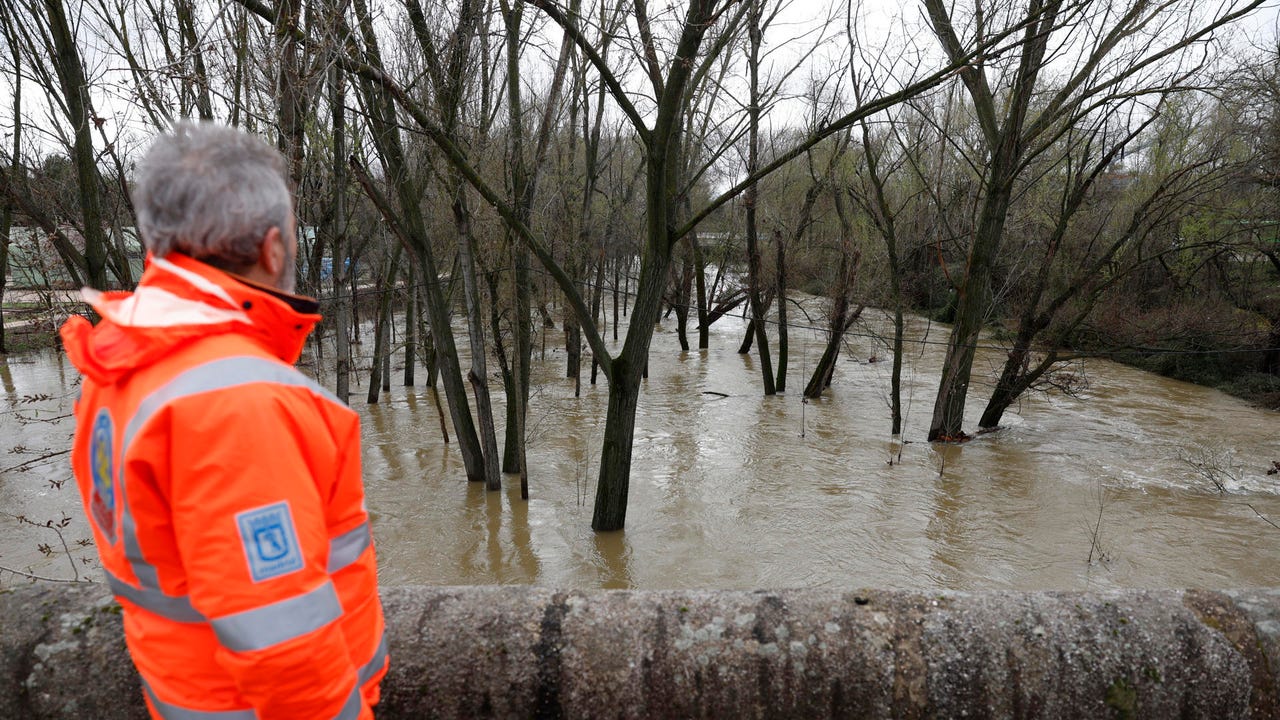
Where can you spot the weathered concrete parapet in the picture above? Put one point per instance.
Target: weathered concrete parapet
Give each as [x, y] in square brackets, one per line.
[519, 652]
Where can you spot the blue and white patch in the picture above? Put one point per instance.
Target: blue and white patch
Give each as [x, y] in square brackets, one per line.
[270, 541]
[102, 501]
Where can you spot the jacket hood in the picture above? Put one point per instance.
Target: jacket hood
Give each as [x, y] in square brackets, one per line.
[179, 300]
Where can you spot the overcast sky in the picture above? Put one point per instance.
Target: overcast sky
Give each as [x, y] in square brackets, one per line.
[798, 27]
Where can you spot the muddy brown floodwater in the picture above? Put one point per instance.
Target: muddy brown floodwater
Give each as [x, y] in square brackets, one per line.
[730, 489]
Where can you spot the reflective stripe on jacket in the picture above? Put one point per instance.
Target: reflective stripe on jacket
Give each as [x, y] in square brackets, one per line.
[224, 492]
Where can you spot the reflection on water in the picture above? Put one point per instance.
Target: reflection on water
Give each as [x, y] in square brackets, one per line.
[731, 489]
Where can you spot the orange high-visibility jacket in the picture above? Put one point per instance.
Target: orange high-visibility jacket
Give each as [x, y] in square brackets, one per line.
[225, 496]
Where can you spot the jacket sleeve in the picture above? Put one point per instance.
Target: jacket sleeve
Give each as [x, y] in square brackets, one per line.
[248, 510]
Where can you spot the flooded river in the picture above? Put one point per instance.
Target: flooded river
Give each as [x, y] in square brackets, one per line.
[731, 489]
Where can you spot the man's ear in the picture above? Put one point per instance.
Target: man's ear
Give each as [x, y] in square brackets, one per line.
[272, 255]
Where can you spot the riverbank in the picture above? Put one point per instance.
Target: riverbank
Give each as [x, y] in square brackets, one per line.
[32, 317]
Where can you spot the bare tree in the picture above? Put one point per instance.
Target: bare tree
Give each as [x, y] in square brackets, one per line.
[670, 71]
[1129, 49]
[6, 214]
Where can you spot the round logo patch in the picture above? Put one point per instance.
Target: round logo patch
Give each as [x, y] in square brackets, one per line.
[102, 506]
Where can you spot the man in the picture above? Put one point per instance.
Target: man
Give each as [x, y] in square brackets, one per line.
[223, 487]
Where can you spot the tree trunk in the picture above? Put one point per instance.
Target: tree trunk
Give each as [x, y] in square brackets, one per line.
[433, 367]
[290, 111]
[748, 338]
[521, 356]
[6, 215]
[524, 182]
[617, 266]
[410, 331]
[895, 376]
[624, 392]
[610, 511]
[1006, 144]
[572, 348]
[75, 90]
[1008, 387]
[842, 318]
[478, 377]
[885, 219]
[781, 384]
[700, 284]
[342, 337]
[597, 294]
[341, 243]
[972, 303]
[386, 133]
[750, 200]
[353, 278]
[824, 370]
[388, 344]
[381, 346]
[522, 353]
[191, 48]
[684, 284]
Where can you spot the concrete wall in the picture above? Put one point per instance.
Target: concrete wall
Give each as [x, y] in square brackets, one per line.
[520, 652]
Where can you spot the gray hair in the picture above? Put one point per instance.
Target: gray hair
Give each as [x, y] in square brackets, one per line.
[211, 192]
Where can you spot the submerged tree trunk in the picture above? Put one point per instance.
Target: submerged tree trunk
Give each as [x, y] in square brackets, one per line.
[341, 243]
[684, 284]
[573, 350]
[6, 223]
[433, 368]
[841, 320]
[381, 334]
[342, 335]
[624, 391]
[1006, 145]
[972, 304]
[749, 337]
[478, 377]
[386, 135]
[617, 266]
[1015, 379]
[6, 215]
[781, 384]
[597, 294]
[388, 345]
[895, 374]
[750, 200]
[700, 285]
[410, 330]
[521, 356]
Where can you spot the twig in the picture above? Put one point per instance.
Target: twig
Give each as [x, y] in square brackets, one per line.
[41, 577]
[57, 529]
[1264, 517]
[1097, 526]
[32, 461]
[75, 572]
[1095, 530]
[26, 420]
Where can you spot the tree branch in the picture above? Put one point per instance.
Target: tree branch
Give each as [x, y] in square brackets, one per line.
[606, 75]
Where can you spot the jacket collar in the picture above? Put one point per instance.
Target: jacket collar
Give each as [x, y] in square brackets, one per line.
[180, 300]
[279, 320]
